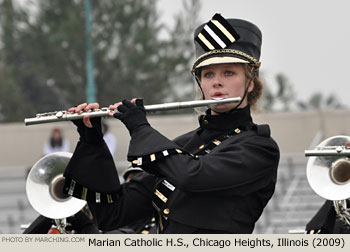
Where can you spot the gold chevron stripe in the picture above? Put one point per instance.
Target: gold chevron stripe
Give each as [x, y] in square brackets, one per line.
[205, 41]
[223, 30]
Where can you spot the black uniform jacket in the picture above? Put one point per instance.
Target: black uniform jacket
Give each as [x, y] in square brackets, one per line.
[215, 179]
[326, 221]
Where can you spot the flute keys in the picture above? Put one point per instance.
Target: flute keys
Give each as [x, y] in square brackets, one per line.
[59, 114]
[46, 114]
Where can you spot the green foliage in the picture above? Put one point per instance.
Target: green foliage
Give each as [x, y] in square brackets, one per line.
[285, 98]
[44, 60]
[127, 46]
[13, 103]
[282, 98]
[285, 91]
[181, 52]
[267, 99]
[318, 101]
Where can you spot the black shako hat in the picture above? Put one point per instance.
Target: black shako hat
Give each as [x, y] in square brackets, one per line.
[227, 41]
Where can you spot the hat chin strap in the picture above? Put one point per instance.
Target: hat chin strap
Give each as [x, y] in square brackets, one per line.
[200, 87]
[235, 108]
[231, 110]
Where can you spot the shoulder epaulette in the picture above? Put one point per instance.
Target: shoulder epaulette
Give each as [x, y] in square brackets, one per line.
[262, 130]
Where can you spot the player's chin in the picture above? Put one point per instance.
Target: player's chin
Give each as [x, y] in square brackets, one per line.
[221, 108]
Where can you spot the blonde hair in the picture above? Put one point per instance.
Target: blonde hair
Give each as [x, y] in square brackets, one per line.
[252, 73]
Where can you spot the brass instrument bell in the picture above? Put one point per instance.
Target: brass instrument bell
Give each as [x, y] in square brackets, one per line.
[328, 168]
[44, 187]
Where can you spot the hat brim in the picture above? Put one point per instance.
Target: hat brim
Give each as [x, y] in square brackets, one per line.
[223, 56]
[220, 60]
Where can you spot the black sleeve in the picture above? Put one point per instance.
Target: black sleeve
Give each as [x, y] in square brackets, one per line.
[245, 162]
[91, 171]
[134, 201]
[91, 175]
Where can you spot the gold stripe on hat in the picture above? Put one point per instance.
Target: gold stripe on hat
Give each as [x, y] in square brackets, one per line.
[214, 36]
[178, 151]
[201, 147]
[205, 41]
[161, 196]
[109, 198]
[153, 157]
[223, 30]
[84, 193]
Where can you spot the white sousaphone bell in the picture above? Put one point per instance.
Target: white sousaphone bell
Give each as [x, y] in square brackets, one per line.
[328, 173]
[44, 187]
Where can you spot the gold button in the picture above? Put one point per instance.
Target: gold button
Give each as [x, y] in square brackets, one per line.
[216, 142]
[205, 122]
[166, 211]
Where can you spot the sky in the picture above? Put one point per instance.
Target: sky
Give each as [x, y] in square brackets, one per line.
[306, 40]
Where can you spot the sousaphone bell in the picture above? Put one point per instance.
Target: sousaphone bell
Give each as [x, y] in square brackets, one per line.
[44, 188]
[328, 173]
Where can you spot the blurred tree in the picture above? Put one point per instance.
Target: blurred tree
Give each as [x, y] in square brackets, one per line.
[180, 51]
[318, 101]
[13, 103]
[38, 66]
[267, 100]
[279, 100]
[285, 96]
[128, 51]
[285, 93]
[131, 59]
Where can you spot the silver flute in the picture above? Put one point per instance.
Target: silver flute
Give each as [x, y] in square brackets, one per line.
[58, 116]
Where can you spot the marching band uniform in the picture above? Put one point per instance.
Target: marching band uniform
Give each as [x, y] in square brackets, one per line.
[325, 221]
[215, 179]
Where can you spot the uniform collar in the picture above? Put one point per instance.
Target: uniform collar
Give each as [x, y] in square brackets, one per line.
[226, 121]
